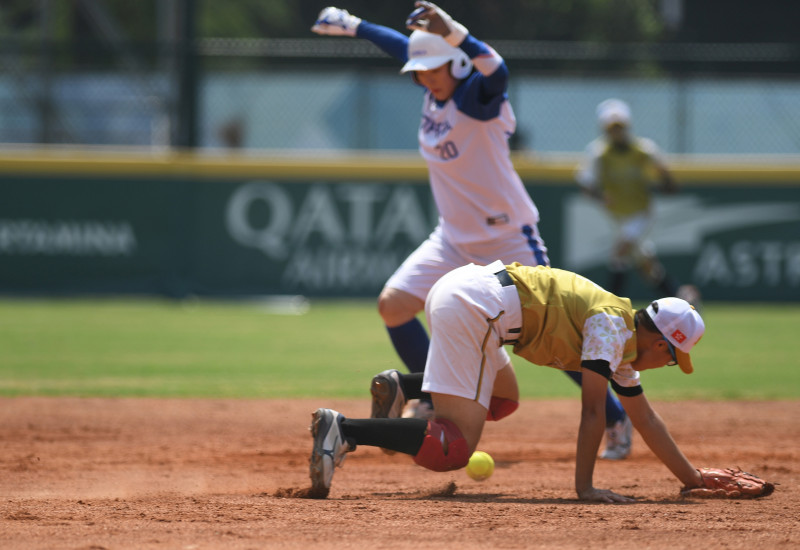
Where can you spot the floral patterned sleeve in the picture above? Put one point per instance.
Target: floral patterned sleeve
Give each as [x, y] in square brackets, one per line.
[604, 337]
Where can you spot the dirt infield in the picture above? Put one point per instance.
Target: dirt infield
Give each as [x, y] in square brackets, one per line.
[197, 474]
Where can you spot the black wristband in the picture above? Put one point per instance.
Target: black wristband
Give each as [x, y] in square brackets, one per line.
[604, 369]
[631, 391]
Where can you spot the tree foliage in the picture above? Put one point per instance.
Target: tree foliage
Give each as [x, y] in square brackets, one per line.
[597, 20]
[605, 21]
[601, 20]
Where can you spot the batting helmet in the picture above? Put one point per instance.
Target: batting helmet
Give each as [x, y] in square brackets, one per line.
[428, 51]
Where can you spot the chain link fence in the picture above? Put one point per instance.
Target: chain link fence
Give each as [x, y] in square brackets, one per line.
[328, 93]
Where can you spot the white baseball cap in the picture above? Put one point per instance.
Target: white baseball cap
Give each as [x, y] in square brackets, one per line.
[680, 325]
[613, 111]
[428, 51]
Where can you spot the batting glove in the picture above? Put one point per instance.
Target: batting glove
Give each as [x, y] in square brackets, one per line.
[336, 22]
[431, 18]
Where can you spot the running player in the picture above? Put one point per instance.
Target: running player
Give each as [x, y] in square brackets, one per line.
[618, 172]
[552, 317]
[485, 212]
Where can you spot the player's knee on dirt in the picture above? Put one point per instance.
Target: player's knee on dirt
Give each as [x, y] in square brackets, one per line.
[500, 407]
[444, 447]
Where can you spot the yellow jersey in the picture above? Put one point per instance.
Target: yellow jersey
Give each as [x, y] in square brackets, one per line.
[566, 319]
[622, 176]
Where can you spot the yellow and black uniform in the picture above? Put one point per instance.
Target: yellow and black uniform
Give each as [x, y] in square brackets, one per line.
[622, 175]
[569, 321]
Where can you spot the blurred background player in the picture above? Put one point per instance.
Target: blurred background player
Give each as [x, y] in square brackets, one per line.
[619, 171]
[553, 317]
[485, 212]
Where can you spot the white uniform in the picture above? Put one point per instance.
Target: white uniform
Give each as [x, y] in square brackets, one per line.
[485, 211]
[467, 352]
[479, 195]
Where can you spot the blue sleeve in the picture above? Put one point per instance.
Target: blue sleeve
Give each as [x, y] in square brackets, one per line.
[480, 97]
[471, 100]
[389, 40]
[495, 83]
[474, 47]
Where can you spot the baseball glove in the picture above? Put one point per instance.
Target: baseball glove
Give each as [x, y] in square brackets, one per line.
[729, 483]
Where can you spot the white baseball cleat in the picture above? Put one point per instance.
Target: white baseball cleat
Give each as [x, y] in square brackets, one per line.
[329, 450]
[619, 438]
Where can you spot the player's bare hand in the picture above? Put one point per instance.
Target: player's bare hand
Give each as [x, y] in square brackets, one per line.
[603, 495]
[336, 22]
[431, 18]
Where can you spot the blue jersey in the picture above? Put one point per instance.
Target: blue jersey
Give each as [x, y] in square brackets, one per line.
[464, 142]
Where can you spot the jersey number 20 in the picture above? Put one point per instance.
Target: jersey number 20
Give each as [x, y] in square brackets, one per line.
[447, 150]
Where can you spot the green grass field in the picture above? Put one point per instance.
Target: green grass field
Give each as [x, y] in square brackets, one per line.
[253, 350]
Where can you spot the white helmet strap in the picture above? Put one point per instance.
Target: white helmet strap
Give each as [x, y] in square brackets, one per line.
[461, 66]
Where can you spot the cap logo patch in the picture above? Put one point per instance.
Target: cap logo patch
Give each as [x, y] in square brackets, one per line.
[679, 336]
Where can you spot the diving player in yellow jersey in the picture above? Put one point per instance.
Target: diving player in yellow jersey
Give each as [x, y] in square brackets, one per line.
[619, 171]
[551, 317]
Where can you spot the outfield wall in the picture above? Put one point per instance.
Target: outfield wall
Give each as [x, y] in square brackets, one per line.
[77, 222]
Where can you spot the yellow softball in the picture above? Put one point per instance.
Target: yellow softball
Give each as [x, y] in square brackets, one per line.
[480, 466]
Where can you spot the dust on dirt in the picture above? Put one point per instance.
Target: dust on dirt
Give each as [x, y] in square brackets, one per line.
[195, 474]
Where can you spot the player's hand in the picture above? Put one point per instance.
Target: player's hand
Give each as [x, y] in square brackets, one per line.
[603, 495]
[336, 22]
[431, 18]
